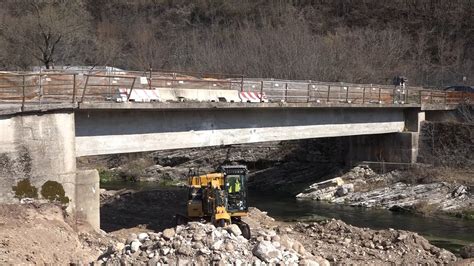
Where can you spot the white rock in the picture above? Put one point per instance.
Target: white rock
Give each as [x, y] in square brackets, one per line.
[169, 233]
[143, 236]
[234, 229]
[165, 251]
[205, 251]
[216, 235]
[242, 239]
[217, 245]
[135, 246]
[267, 252]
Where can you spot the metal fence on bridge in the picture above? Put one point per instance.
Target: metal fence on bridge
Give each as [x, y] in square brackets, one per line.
[99, 86]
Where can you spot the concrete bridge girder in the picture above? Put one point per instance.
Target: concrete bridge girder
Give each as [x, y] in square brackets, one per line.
[121, 131]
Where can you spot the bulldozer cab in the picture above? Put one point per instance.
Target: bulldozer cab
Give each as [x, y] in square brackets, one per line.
[235, 185]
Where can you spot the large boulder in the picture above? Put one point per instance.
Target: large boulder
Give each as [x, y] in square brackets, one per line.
[265, 251]
[344, 189]
[467, 251]
[234, 229]
[169, 233]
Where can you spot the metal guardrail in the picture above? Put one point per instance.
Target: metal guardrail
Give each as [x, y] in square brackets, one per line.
[75, 87]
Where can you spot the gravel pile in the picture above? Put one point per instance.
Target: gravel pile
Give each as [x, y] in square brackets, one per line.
[339, 242]
[201, 243]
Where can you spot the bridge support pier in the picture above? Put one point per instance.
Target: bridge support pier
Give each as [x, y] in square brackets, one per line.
[399, 147]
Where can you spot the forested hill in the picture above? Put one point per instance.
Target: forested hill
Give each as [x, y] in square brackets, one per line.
[370, 41]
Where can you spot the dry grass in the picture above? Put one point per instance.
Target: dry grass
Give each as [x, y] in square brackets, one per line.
[430, 174]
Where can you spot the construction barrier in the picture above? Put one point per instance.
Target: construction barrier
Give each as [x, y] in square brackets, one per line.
[252, 97]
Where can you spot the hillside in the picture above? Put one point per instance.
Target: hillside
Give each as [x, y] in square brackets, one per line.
[430, 42]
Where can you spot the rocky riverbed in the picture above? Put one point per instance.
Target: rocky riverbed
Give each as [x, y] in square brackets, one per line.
[272, 242]
[362, 187]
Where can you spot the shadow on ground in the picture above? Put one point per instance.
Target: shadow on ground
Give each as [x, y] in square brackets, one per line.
[153, 209]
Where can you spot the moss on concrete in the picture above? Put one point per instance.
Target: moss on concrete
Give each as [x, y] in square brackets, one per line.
[24, 189]
[53, 191]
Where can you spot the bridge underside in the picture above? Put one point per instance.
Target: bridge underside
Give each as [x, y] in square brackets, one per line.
[121, 131]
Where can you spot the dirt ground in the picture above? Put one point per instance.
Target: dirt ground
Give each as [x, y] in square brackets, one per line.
[40, 234]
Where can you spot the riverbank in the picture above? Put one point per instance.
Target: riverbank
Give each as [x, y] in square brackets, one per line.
[422, 190]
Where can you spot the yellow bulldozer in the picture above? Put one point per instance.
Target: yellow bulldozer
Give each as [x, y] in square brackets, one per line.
[220, 197]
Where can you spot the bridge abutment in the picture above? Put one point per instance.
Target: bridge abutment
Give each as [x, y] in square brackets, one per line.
[38, 161]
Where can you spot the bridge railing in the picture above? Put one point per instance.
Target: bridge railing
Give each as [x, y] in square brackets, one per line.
[100, 86]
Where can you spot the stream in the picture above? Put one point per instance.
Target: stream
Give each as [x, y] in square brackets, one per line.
[443, 231]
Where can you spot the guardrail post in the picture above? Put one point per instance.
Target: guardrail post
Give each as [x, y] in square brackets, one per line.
[421, 97]
[431, 97]
[347, 93]
[23, 98]
[74, 88]
[242, 83]
[329, 92]
[131, 88]
[149, 80]
[309, 85]
[85, 87]
[393, 95]
[40, 93]
[380, 95]
[363, 95]
[286, 92]
[261, 91]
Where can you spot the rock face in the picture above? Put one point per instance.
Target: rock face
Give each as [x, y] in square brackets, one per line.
[404, 196]
[363, 187]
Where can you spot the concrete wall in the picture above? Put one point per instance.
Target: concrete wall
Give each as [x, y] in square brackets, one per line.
[124, 131]
[37, 157]
[88, 198]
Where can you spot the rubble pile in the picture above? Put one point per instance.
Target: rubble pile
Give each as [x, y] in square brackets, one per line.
[339, 243]
[202, 243]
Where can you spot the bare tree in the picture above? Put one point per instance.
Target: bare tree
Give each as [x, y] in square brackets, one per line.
[47, 29]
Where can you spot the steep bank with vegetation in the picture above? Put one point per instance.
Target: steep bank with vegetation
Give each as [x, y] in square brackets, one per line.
[430, 41]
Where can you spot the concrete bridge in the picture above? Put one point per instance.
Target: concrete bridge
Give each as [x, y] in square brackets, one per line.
[39, 142]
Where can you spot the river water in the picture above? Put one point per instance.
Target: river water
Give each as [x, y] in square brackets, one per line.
[443, 231]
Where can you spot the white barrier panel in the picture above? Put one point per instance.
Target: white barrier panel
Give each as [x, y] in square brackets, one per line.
[200, 95]
[138, 95]
[176, 94]
[252, 97]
